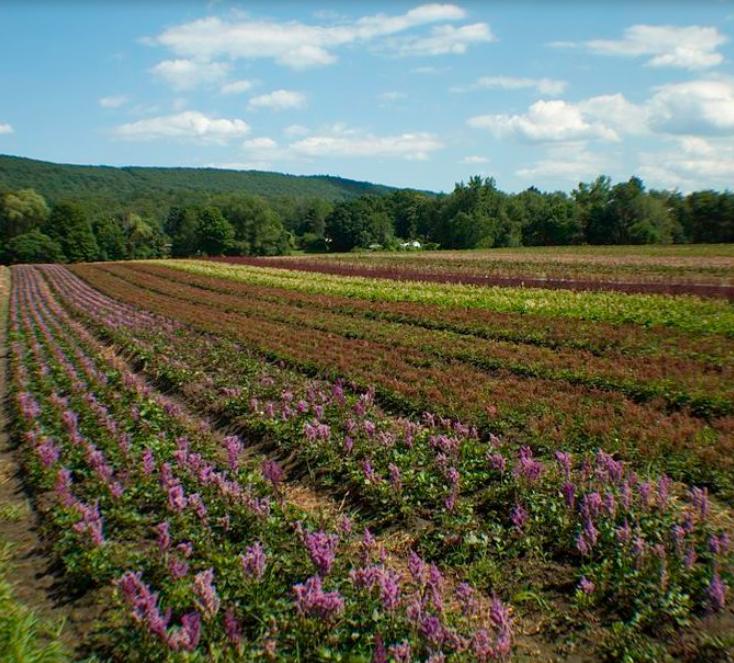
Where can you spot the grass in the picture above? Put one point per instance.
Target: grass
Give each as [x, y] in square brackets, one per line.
[24, 638]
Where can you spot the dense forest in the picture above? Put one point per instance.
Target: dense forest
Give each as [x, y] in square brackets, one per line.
[189, 212]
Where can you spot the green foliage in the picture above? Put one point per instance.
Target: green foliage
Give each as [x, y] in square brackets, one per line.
[20, 212]
[23, 638]
[68, 224]
[33, 247]
[213, 232]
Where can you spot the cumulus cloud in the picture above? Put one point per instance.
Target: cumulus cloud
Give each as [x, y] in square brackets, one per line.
[236, 87]
[114, 101]
[189, 125]
[690, 164]
[547, 86]
[546, 121]
[571, 162]
[299, 45]
[262, 143]
[703, 107]
[474, 160]
[5, 128]
[340, 141]
[278, 100]
[183, 74]
[685, 47]
[444, 39]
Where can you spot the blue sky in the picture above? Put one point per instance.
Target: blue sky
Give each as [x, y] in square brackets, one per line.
[402, 93]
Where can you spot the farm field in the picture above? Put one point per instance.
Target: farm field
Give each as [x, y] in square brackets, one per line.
[704, 270]
[317, 459]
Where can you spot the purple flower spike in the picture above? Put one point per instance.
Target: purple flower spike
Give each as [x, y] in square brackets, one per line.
[253, 561]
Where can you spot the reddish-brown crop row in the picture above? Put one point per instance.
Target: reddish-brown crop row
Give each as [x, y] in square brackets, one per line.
[546, 412]
[415, 273]
[671, 379]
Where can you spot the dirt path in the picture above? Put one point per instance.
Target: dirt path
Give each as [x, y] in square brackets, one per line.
[35, 583]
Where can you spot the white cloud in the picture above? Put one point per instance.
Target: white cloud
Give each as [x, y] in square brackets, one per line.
[296, 130]
[299, 45]
[474, 160]
[444, 39]
[689, 47]
[340, 141]
[430, 71]
[547, 86]
[263, 143]
[189, 125]
[615, 111]
[703, 107]
[236, 87]
[5, 128]
[182, 74]
[113, 101]
[571, 162]
[546, 121]
[278, 100]
[691, 164]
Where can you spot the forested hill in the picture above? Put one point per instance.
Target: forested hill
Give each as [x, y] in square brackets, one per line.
[132, 184]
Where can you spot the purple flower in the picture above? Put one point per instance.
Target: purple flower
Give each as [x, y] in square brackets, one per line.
[519, 516]
[527, 467]
[395, 478]
[143, 603]
[586, 586]
[699, 498]
[204, 589]
[272, 472]
[564, 461]
[369, 472]
[401, 652]
[321, 548]
[178, 568]
[148, 461]
[48, 453]
[569, 494]
[379, 654]
[312, 601]
[253, 561]
[164, 536]
[187, 637]
[467, 600]
[716, 592]
[432, 630]
[176, 498]
[233, 445]
[232, 628]
[497, 461]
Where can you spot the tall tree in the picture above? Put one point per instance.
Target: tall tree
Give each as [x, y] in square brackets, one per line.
[69, 225]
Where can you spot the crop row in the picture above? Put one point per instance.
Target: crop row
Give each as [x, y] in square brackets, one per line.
[676, 381]
[491, 508]
[518, 275]
[703, 265]
[545, 413]
[205, 553]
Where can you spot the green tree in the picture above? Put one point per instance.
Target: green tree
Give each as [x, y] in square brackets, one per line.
[21, 211]
[110, 238]
[182, 227]
[214, 233]
[33, 247]
[70, 227]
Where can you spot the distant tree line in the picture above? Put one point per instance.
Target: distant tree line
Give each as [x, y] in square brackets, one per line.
[474, 215]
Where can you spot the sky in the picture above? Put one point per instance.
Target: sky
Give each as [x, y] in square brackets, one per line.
[408, 94]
